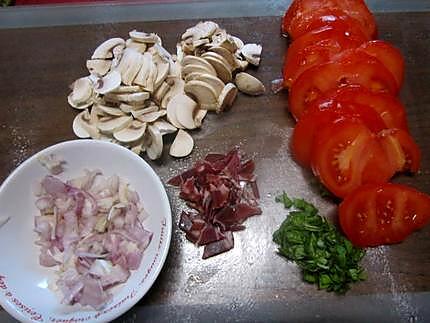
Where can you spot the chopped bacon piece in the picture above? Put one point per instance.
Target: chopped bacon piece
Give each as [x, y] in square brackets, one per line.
[223, 192]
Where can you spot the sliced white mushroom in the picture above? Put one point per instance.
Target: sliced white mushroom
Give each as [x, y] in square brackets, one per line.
[142, 37]
[108, 83]
[224, 40]
[194, 60]
[98, 66]
[243, 65]
[104, 51]
[223, 70]
[152, 77]
[137, 113]
[176, 87]
[227, 55]
[218, 57]
[161, 92]
[185, 111]
[114, 124]
[213, 81]
[129, 108]
[110, 111]
[155, 149]
[200, 42]
[133, 132]
[174, 69]
[201, 30]
[137, 97]
[152, 116]
[252, 53]
[249, 84]
[82, 92]
[173, 104]
[179, 52]
[162, 71]
[143, 73]
[165, 127]
[129, 66]
[200, 114]
[203, 93]
[83, 127]
[227, 97]
[192, 68]
[127, 89]
[138, 46]
[182, 145]
[239, 43]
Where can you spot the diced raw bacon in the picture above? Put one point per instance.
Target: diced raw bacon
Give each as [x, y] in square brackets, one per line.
[217, 247]
[92, 227]
[223, 192]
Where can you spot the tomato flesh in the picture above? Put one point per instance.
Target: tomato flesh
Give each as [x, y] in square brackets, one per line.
[350, 67]
[380, 214]
[346, 154]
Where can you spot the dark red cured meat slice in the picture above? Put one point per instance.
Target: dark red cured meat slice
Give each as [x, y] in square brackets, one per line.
[209, 234]
[217, 247]
[189, 191]
[185, 222]
[219, 195]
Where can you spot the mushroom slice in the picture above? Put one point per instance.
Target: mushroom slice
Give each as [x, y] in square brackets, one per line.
[179, 52]
[203, 93]
[137, 97]
[221, 38]
[133, 132]
[199, 116]
[174, 69]
[98, 66]
[152, 77]
[194, 60]
[176, 87]
[223, 70]
[171, 109]
[142, 37]
[108, 83]
[82, 92]
[143, 73]
[213, 81]
[239, 43]
[226, 54]
[248, 84]
[114, 124]
[127, 108]
[104, 51]
[155, 149]
[138, 113]
[162, 71]
[83, 127]
[152, 116]
[127, 89]
[129, 66]
[252, 53]
[111, 111]
[227, 97]
[161, 92]
[200, 42]
[243, 65]
[138, 46]
[165, 127]
[182, 145]
[201, 30]
[218, 57]
[185, 111]
[192, 68]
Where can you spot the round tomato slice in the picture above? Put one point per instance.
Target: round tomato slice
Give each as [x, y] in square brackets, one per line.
[401, 149]
[317, 47]
[323, 113]
[350, 67]
[346, 154]
[380, 214]
[387, 106]
[356, 9]
[389, 55]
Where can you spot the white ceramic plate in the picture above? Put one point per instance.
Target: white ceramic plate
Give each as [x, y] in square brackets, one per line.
[23, 282]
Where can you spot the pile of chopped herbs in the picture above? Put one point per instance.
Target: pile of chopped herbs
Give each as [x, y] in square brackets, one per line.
[324, 255]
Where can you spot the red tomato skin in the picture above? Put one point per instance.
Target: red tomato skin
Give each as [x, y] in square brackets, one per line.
[350, 67]
[388, 55]
[386, 105]
[377, 214]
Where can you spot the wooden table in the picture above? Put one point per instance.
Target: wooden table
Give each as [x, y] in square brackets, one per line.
[251, 282]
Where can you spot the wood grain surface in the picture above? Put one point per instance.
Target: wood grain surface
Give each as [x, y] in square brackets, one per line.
[38, 64]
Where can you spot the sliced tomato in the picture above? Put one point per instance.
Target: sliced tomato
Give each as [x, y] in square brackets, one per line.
[380, 214]
[317, 47]
[322, 113]
[350, 67]
[387, 106]
[346, 154]
[389, 55]
[401, 149]
[356, 9]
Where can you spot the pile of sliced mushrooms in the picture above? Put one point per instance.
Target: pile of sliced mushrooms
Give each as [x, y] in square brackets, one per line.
[137, 91]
